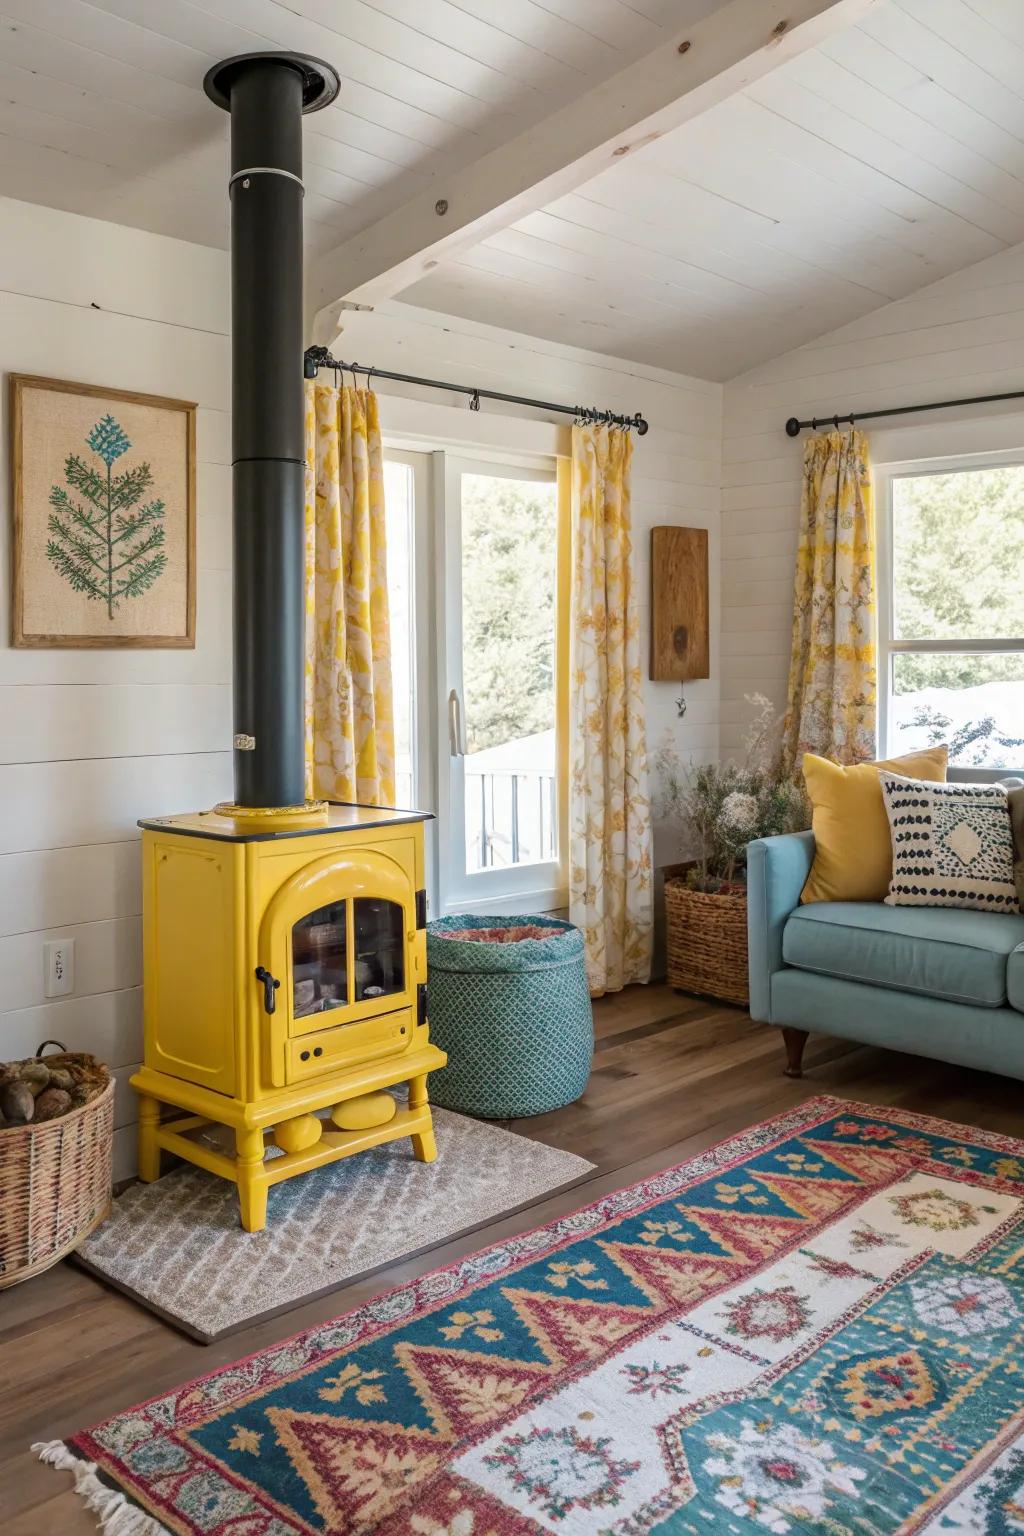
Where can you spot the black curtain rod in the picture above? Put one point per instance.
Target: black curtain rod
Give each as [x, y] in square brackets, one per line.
[795, 427]
[315, 358]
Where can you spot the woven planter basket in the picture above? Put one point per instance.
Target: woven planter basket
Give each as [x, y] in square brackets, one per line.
[706, 942]
[515, 1018]
[55, 1180]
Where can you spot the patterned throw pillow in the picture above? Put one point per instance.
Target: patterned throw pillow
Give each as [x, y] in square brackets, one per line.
[951, 845]
[1016, 802]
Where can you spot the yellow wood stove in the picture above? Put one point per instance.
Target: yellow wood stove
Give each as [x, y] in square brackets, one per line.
[285, 975]
[284, 943]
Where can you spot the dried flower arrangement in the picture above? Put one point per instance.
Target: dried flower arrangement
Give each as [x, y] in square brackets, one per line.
[718, 808]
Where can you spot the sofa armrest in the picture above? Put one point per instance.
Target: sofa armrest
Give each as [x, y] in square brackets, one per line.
[777, 868]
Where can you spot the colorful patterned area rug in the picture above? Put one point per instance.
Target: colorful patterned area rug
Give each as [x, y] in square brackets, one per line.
[814, 1327]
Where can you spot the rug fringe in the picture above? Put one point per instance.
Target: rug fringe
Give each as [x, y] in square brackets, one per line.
[117, 1516]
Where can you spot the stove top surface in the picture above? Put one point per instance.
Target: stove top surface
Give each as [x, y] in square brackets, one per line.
[340, 818]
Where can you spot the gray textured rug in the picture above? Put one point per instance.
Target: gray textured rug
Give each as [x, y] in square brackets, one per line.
[176, 1246]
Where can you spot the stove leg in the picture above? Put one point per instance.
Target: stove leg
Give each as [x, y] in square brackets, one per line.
[149, 1152]
[252, 1187]
[423, 1144]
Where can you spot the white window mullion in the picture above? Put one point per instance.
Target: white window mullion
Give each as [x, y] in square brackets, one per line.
[409, 496]
[883, 484]
[448, 607]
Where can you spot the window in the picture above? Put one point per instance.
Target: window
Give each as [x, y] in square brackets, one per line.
[951, 619]
[477, 624]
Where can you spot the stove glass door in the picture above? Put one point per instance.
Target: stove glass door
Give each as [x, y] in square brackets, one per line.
[346, 953]
[379, 932]
[320, 961]
[339, 937]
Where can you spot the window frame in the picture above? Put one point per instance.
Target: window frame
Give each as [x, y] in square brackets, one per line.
[421, 545]
[888, 645]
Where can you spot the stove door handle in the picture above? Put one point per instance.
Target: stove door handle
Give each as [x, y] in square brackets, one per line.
[270, 986]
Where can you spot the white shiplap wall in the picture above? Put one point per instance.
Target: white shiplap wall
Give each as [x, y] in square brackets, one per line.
[959, 337]
[91, 740]
[676, 466]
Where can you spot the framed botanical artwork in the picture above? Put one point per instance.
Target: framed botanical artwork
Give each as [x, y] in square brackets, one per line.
[103, 499]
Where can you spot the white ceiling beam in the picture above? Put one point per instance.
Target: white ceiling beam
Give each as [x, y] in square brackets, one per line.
[740, 42]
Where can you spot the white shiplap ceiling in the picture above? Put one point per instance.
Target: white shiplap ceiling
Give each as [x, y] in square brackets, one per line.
[102, 110]
[885, 159]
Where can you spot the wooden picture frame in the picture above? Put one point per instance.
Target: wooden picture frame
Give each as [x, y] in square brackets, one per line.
[93, 567]
[680, 637]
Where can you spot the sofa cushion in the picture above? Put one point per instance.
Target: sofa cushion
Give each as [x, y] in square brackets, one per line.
[941, 952]
[1015, 979]
[951, 845]
[852, 843]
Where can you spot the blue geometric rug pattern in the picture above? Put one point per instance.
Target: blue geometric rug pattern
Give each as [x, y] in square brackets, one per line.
[813, 1328]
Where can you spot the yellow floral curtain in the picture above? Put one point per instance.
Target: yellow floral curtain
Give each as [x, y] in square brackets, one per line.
[832, 700]
[610, 891]
[350, 739]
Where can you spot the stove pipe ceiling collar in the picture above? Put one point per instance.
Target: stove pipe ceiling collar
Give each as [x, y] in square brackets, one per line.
[267, 95]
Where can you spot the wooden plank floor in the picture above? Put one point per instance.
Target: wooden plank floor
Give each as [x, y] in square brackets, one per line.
[671, 1075]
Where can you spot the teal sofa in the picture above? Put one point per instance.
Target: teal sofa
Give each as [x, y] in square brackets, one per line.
[929, 980]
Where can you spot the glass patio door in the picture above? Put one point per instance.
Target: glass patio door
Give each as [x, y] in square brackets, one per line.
[501, 698]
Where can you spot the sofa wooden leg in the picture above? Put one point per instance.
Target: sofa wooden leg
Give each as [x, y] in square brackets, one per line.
[795, 1040]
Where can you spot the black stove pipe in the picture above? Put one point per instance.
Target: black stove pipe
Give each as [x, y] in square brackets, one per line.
[266, 95]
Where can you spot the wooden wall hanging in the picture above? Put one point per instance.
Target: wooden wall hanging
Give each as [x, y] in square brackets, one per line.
[680, 649]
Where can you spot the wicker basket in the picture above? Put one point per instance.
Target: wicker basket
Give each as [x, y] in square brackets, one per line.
[514, 1017]
[706, 942]
[55, 1179]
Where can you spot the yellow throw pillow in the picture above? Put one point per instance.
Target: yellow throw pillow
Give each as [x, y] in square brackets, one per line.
[852, 841]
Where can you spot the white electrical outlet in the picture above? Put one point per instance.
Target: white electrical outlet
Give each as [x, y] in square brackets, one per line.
[59, 956]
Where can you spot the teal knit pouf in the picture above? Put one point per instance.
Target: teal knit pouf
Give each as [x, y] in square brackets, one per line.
[514, 1017]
